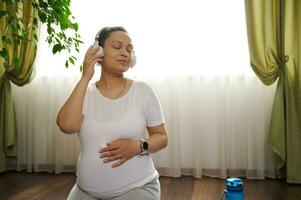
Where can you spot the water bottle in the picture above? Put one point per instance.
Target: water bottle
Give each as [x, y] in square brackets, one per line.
[234, 189]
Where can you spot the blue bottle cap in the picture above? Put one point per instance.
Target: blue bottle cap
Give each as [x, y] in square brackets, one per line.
[234, 184]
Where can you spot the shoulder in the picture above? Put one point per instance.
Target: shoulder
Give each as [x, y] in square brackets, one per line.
[143, 87]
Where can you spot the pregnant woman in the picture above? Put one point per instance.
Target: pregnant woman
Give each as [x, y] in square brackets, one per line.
[119, 122]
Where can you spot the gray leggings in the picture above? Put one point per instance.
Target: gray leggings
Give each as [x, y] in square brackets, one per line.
[149, 191]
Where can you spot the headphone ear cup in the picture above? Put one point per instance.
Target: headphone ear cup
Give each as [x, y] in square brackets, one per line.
[134, 60]
[100, 51]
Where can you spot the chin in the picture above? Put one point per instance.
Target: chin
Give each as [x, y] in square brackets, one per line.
[120, 70]
[124, 68]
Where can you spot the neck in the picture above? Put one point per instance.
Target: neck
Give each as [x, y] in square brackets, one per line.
[108, 81]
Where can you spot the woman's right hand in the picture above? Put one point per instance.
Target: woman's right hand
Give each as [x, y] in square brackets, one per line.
[90, 60]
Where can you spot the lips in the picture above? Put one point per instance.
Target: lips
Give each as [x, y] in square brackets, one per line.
[122, 61]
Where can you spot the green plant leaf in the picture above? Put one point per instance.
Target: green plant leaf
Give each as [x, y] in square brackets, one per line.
[71, 60]
[35, 36]
[66, 64]
[3, 53]
[43, 17]
[75, 26]
[56, 48]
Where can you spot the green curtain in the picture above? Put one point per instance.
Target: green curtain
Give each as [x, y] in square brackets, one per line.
[274, 36]
[18, 75]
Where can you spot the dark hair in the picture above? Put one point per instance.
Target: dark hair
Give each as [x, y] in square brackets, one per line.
[105, 32]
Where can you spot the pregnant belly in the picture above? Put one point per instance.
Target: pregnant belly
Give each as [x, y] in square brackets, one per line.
[95, 176]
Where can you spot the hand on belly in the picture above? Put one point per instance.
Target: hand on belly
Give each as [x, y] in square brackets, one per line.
[120, 151]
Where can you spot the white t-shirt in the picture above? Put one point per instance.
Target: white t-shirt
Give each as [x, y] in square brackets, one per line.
[106, 120]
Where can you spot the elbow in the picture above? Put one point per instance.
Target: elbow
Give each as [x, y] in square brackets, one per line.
[165, 141]
[66, 126]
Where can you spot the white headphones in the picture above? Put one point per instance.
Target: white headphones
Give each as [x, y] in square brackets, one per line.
[100, 51]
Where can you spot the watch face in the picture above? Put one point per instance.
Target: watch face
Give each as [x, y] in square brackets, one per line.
[145, 145]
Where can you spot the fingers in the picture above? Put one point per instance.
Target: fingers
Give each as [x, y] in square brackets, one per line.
[119, 150]
[92, 57]
[119, 162]
[94, 61]
[109, 148]
[112, 158]
[109, 154]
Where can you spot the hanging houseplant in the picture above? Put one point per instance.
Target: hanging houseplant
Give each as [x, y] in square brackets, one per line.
[55, 14]
[19, 24]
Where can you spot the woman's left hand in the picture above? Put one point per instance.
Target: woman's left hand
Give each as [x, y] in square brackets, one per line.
[121, 150]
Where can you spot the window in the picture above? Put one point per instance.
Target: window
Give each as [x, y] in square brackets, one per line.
[171, 37]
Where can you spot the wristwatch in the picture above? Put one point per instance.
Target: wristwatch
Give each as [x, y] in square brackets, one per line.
[143, 147]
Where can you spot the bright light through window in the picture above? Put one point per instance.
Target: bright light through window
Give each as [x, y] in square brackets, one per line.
[171, 37]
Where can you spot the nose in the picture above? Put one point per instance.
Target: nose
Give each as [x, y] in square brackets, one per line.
[124, 52]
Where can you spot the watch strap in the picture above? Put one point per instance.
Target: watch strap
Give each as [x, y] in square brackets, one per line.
[143, 147]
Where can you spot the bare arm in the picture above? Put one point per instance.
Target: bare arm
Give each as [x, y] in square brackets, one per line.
[157, 138]
[70, 117]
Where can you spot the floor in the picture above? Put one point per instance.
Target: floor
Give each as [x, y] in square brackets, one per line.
[34, 186]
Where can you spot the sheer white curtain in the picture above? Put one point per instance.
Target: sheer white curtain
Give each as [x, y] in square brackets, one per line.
[194, 54]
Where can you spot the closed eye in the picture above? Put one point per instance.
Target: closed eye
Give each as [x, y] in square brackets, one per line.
[129, 48]
[116, 47]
